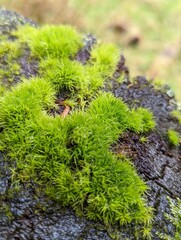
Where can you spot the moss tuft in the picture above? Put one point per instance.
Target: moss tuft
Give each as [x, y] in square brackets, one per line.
[25, 102]
[71, 156]
[105, 57]
[173, 137]
[51, 41]
[177, 115]
[141, 120]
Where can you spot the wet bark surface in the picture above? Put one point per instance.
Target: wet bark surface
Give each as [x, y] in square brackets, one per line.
[155, 160]
[25, 213]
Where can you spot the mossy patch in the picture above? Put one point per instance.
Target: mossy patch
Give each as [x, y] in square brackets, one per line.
[173, 137]
[71, 155]
[177, 115]
[51, 41]
[174, 218]
[11, 71]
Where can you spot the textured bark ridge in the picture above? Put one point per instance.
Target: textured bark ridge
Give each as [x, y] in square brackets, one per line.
[27, 214]
[155, 160]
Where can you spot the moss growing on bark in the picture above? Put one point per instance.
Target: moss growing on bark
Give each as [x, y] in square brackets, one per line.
[177, 115]
[174, 218]
[70, 153]
[173, 137]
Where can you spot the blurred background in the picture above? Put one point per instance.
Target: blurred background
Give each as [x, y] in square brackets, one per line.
[148, 32]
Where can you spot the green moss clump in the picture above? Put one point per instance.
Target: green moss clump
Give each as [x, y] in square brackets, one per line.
[142, 120]
[173, 137]
[81, 82]
[177, 114]
[71, 156]
[51, 41]
[25, 102]
[105, 57]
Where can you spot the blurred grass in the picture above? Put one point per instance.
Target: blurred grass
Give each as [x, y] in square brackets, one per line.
[147, 31]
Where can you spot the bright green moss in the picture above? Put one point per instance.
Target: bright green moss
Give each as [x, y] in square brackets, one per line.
[23, 33]
[2, 88]
[143, 139]
[67, 75]
[7, 73]
[81, 82]
[146, 116]
[51, 41]
[177, 114]
[71, 156]
[173, 137]
[24, 102]
[141, 120]
[45, 146]
[12, 49]
[105, 57]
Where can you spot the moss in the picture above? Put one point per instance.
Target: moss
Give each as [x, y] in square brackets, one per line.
[71, 156]
[143, 139]
[5, 211]
[141, 120]
[10, 48]
[173, 137]
[105, 57]
[174, 218]
[146, 116]
[51, 41]
[71, 76]
[158, 84]
[10, 68]
[177, 115]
